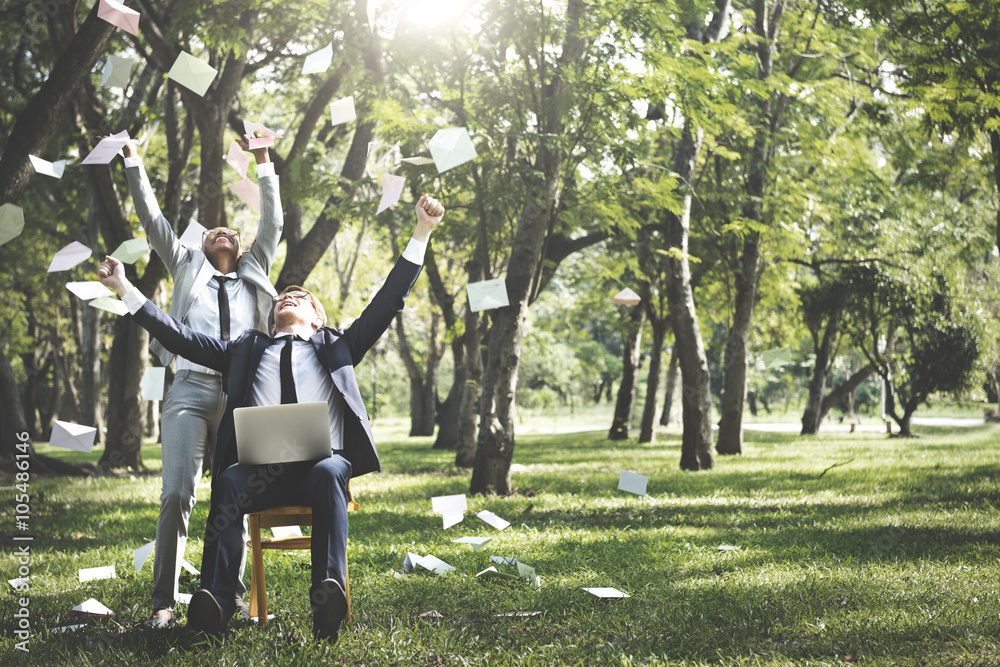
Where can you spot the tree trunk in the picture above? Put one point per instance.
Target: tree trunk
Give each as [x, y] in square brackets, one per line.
[11, 413]
[423, 382]
[734, 363]
[632, 351]
[671, 383]
[813, 415]
[647, 429]
[468, 410]
[91, 406]
[126, 411]
[449, 412]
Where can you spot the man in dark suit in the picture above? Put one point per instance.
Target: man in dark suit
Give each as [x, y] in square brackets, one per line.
[321, 360]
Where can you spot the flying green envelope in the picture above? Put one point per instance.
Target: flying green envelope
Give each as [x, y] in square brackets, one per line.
[109, 304]
[192, 73]
[129, 252]
[777, 357]
[116, 71]
[451, 147]
[11, 222]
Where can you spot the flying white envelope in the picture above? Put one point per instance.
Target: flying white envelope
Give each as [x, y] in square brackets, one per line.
[11, 222]
[286, 531]
[493, 519]
[92, 573]
[419, 160]
[189, 567]
[69, 257]
[319, 61]
[477, 542]
[451, 147]
[108, 304]
[46, 168]
[119, 15]
[129, 252]
[73, 436]
[607, 592]
[248, 191]
[435, 565]
[237, 159]
[91, 607]
[392, 190]
[140, 555]
[632, 482]
[342, 111]
[776, 358]
[107, 149]
[116, 72]
[192, 73]
[487, 294]
[450, 519]
[192, 236]
[152, 383]
[626, 297]
[88, 290]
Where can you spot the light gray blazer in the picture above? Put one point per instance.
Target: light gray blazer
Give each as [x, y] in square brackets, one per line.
[191, 269]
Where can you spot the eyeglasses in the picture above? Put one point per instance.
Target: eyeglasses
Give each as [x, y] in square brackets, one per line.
[297, 294]
[210, 234]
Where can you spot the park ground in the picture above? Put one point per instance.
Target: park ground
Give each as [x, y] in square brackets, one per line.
[853, 549]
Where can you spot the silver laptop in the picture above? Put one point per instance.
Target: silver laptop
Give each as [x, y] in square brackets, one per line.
[282, 433]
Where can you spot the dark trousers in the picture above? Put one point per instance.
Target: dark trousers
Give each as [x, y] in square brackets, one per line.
[242, 489]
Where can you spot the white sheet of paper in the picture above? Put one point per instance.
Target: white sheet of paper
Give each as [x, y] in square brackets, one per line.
[237, 159]
[632, 482]
[189, 567]
[454, 503]
[527, 573]
[18, 583]
[477, 542]
[109, 304]
[69, 257]
[140, 555]
[119, 15]
[607, 592]
[419, 160]
[92, 607]
[318, 61]
[492, 519]
[451, 147]
[11, 222]
[392, 190]
[92, 573]
[435, 565]
[192, 236]
[450, 519]
[411, 561]
[626, 297]
[46, 168]
[286, 531]
[194, 74]
[504, 560]
[73, 436]
[185, 598]
[342, 111]
[89, 289]
[487, 294]
[727, 547]
[106, 150]
[520, 613]
[62, 629]
[131, 251]
[117, 70]
[152, 383]
[248, 191]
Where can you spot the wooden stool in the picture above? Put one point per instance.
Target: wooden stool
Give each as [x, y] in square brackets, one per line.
[286, 515]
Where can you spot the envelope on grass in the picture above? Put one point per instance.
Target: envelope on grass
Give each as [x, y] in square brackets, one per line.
[116, 72]
[46, 168]
[319, 61]
[72, 436]
[69, 257]
[477, 542]
[451, 147]
[492, 519]
[105, 151]
[607, 592]
[93, 573]
[117, 14]
[91, 607]
[487, 294]
[194, 74]
[11, 222]
[152, 383]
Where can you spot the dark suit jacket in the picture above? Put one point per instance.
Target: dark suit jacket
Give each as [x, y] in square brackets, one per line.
[339, 351]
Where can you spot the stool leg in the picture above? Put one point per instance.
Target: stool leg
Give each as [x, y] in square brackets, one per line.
[258, 594]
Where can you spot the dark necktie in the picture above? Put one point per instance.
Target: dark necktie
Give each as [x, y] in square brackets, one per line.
[223, 306]
[287, 380]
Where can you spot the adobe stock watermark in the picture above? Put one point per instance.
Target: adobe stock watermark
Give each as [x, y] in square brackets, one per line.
[22, 550]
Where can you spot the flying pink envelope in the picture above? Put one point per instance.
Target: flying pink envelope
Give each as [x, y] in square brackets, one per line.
[237, 159]
[248, 191]
[260, 142]
[69, 257]
[107, 149]
[392, 190]
[119, 15]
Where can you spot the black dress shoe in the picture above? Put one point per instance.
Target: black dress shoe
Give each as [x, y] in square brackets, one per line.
[329, 603]
[160, 620]
[205, 613]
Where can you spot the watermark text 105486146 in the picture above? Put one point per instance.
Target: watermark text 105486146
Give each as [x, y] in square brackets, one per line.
[22, 546]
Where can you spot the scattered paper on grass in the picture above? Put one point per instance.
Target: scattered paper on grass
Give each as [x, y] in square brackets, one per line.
[504, 560]
[68, 435]
[91, 607]
[140, 555]
[527, 573]
[410, 562]
[453, 503]
[94, 573]
[66, 628]
[632, 483]
[493, 519]
[607, 592]
[19, 583]
[450, 519]
[520, 613]
[109, 304]
[257, 620]
[185, 598]
[281, 532]
[131, 251]
[189, 567]
[433, 613]
[493, 573]
[727, 547]
[626, 297]
[477, 542]
[152, 383]
[435, 565]
[90, 289]
[69, 257]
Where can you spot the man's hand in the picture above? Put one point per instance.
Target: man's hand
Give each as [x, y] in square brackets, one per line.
[259, 154]
[429, 213]
[111, 273]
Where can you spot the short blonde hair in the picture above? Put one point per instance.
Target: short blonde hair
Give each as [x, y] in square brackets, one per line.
[316, 304]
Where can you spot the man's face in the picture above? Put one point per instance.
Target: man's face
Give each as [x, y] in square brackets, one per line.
[292, 308]
[221, 242]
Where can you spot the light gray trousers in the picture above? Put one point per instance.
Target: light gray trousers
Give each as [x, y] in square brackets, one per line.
[191, 413]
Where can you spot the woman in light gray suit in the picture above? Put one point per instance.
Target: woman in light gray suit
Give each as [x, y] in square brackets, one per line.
[219, 291]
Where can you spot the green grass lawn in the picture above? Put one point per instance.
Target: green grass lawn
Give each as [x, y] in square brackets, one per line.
[891, 558]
